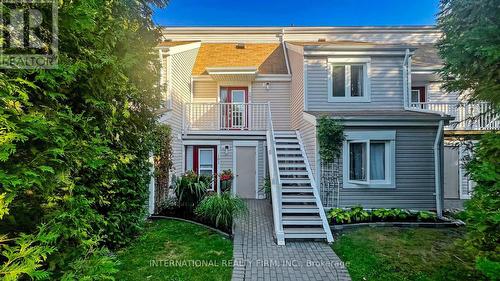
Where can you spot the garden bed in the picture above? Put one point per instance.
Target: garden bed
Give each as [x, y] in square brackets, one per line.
[357, 216]
[438, 224]
[190, 199]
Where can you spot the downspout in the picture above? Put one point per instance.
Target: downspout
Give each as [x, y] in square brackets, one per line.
[437, 141]
[406, 84]
[283, 44]
[437, 168]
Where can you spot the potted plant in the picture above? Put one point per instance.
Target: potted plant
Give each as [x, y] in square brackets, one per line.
[226, 180]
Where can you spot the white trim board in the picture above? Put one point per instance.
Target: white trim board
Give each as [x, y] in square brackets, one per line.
[200, 142]
[258, 78]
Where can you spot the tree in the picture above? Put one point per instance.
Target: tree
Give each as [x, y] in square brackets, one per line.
[483, 209]
[75, 142]
[470, 47]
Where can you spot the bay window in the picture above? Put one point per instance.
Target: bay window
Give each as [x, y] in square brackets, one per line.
[369, 159]
[348, 80]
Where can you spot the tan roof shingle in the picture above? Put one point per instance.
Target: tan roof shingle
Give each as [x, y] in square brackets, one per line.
[268, 58]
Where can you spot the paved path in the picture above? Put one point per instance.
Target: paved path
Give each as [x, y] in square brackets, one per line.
[257, 257]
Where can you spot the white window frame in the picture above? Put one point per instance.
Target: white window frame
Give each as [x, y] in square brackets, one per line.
[367, 137]
[213, 164]
[347, 62]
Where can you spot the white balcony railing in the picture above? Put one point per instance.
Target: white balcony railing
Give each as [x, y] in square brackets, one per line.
[225, 116]
[477, 116]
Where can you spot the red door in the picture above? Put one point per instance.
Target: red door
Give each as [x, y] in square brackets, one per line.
[234, 108]
[418, 96]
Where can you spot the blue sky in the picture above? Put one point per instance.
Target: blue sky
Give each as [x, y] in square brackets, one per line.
[298, 13]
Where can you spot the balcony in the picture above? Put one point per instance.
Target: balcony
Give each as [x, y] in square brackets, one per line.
[226, 117]
[477, 116]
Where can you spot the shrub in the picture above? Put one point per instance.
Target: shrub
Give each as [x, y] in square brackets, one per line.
[358, 214]
[426, 216]
[330, 138]
[382, 214]
[23, 256]
[267, 187]
[190, 189]
[482, 211]
[400, 214]
[75, 140]
[221, 209]
[339, 215]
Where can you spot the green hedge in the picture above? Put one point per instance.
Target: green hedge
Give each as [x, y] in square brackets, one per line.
[482, 212]
[75, 143]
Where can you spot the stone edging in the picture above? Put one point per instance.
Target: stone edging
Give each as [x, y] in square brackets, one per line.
[225, 234]
[340, 227]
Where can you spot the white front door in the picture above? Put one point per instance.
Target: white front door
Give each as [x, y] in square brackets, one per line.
[246, 172]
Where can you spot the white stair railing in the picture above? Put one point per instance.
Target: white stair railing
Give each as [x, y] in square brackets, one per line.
[326, 225]
[275, 180]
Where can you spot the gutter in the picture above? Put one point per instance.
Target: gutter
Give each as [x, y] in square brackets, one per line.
[437, 141]
[437, 169]
[406, 81]
[283, 44]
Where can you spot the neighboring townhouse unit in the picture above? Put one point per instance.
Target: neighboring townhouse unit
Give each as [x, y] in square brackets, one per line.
[248, 99]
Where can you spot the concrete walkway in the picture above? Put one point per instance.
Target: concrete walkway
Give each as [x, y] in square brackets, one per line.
[257, 257]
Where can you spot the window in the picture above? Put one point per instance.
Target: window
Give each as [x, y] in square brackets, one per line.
[357, 161]
[338, 80]
[206, 161]
[369, 159]
[348, 80]
[202, 160]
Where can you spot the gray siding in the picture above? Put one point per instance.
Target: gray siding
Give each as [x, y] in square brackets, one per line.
[386, 80]
[182, 64]
[296, 58]
[308, 136]
[415, 182]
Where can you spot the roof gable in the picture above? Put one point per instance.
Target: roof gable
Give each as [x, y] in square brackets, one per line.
[268, 58]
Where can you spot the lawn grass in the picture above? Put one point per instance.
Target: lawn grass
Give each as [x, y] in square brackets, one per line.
[171, 240]
[405, 254]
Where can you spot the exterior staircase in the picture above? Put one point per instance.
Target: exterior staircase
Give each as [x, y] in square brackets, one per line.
[302, 214]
